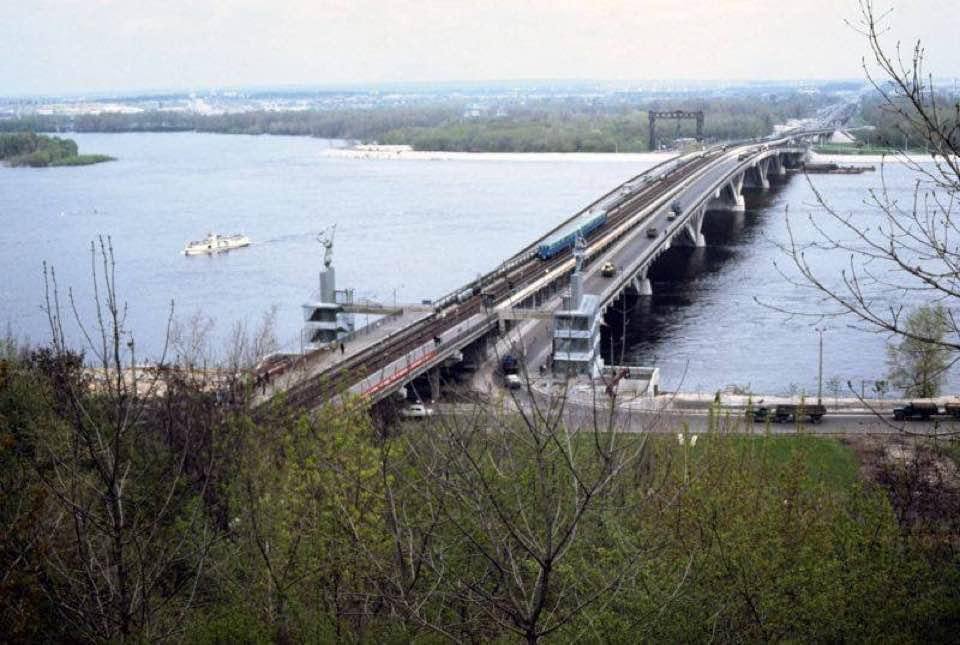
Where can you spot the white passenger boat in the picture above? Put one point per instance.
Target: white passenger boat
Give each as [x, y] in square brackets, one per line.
[215, 243]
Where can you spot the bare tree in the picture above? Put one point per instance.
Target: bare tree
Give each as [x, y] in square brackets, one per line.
[190, 340]
[909, 254]
[502, 502]
[245, 347]
[126, 527]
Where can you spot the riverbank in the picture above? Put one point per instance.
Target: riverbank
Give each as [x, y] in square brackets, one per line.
[374, 152]
[864, 160]
[407, 153]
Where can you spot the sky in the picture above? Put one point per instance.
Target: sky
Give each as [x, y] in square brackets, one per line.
[89, 46]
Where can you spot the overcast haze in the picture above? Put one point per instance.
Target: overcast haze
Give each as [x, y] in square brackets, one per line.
[70, 46]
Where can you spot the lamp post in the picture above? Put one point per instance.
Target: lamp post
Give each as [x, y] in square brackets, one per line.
[820, 369]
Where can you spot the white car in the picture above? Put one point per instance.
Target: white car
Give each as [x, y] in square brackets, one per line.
[416, 411]
[513, 381]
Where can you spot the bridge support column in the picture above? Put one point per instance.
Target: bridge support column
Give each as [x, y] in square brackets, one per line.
[756, 176]
[434, 377]
[730, 197]
[692, 234]
[776, 168]
[762, 170]
[641, 283]
[794, 159]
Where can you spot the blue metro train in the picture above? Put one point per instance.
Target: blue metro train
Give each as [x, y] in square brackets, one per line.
[567, 236]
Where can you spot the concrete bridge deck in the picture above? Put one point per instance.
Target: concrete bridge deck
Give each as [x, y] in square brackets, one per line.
[283, 376]
[526, 285]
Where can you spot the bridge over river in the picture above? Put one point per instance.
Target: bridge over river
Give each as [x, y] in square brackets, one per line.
[554, 302]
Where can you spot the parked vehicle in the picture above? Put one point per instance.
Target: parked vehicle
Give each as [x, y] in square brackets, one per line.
[652, 232]
[416, 411]
[512, 381]
[952, 410]
[789, 412]
[760, 414]
[608, 270]
[510, 367]
[919, 410]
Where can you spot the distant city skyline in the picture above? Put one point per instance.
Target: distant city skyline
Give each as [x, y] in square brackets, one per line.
[102, 46]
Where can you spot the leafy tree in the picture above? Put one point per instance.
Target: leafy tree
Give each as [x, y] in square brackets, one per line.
[919, 360]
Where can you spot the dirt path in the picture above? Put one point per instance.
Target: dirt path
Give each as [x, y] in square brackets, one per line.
[921, 479]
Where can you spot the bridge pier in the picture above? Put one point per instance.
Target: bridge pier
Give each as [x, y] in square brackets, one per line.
[729, 197]
[641, 283]
[776, 167]
[756, 176]
[636, 285]
[692, 232]
[434, 377]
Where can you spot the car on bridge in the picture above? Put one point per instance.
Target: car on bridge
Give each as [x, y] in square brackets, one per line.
[608, 270]
[652, 232]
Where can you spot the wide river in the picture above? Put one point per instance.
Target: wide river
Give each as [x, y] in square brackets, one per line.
[410, 230]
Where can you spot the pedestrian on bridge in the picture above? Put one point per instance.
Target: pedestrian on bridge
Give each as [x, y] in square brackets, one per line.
[342, 349]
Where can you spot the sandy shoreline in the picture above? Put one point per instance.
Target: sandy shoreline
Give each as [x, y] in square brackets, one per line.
[871, 160]
[406, 153]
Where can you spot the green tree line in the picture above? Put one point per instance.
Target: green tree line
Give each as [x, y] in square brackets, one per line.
[892, 120]
[551, 126]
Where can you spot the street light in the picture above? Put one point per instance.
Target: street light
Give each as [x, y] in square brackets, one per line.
[820, 369]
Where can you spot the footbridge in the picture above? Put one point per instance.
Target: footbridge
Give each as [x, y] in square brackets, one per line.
[643, 217]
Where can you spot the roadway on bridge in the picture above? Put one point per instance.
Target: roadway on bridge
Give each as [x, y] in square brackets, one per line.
[621, 241]
[533, 339]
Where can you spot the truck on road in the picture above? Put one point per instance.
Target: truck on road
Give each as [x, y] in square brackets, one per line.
[789, 412]
[916, 410]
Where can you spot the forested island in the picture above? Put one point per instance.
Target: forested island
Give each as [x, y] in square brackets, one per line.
[39, 151]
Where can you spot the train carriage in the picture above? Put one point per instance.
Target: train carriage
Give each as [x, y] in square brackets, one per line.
[566, 237]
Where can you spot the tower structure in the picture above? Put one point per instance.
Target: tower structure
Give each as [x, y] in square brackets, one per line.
[576, 326]
[324, 318]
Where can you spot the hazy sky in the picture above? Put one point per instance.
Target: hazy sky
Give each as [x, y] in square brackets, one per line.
[60, 46]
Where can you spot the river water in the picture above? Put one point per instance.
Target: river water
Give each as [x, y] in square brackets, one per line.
[406, 230]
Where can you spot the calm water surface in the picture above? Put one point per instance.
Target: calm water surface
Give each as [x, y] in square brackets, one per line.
[405, 229]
